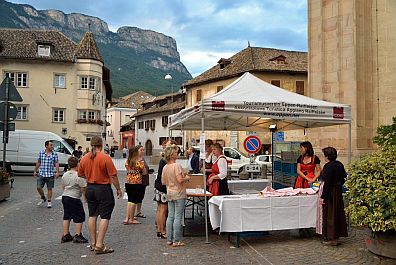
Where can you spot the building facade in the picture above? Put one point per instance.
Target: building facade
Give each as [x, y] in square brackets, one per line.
[64, 85]
[285, 69]
[121, 113]
[352, 61]
[151, 123]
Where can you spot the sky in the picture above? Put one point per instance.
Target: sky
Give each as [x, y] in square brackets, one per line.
[205, 30]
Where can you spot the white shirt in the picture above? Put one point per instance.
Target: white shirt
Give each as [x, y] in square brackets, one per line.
[222, 164]
[189, 162]
[210, 158]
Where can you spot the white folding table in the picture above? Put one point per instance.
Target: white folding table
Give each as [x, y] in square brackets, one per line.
[246, 213]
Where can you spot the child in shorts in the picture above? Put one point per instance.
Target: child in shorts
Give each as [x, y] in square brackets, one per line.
[73, 188]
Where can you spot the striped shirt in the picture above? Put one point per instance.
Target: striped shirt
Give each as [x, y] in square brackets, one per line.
[47, 166]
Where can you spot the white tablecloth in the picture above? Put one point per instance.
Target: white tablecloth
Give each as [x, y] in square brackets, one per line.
[239, 213]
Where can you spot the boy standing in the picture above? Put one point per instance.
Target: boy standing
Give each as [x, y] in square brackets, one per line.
[73, 187]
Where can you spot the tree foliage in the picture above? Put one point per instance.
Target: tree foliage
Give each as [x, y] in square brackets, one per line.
[386, 135]
[371, 184]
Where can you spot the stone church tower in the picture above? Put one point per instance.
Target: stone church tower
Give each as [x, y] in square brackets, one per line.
[352, 60]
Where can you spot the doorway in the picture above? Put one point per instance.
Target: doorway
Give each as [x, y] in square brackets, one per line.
[148, 148]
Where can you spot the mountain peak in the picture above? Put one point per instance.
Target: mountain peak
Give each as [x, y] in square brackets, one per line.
[138, 58]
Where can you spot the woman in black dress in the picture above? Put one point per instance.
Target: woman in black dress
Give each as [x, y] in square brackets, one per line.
[334, 220]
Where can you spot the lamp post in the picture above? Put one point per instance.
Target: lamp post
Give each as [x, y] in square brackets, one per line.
[272, 128]
[169, 77]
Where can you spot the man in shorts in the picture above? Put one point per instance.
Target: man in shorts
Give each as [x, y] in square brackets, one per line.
[48, 168]
[99, 171]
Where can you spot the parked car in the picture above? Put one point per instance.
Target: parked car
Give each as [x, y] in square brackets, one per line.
[235, 158]
[266, 160]
[24, 146]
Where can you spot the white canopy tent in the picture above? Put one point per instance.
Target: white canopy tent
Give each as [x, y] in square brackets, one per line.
[251, 104]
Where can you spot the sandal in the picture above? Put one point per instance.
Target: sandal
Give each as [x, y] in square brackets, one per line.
[163, 236]
[169, 243]
[178, 244]
[92, 247]
[139, 214]
[103, 250]
[159, 234]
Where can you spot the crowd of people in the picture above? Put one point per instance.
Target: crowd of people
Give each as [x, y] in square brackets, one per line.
[91, 175]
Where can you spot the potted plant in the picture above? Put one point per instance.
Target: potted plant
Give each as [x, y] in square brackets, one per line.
[371, 193]
[5, 187]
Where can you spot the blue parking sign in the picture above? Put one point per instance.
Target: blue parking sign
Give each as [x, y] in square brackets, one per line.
[279, 136]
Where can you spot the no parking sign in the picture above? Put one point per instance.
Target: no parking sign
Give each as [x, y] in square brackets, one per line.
[252, 144]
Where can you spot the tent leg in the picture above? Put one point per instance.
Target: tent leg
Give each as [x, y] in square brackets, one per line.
[350, 142]
[204, 180]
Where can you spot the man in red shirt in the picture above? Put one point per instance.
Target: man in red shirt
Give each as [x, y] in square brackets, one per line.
[100, 172]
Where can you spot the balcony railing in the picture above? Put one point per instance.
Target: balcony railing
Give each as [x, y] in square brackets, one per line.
[90, 121]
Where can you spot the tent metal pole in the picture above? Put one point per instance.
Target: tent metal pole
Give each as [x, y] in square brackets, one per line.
[350, 142]
[204, 177]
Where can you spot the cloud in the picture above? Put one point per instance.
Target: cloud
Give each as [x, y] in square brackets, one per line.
[205, 30]
[202, 60]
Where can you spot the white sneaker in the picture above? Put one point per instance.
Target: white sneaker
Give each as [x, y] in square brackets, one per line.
[41, 202]
[49, 205]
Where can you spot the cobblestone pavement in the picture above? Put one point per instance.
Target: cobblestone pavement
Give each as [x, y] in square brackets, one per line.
[31, 235]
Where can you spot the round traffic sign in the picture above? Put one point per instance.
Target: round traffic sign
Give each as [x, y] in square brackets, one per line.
[252, 144]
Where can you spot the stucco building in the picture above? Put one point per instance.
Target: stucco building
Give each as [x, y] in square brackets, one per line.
[352, 61]
[285, 69]
[121, 113]
[151, 123]
[64, 85]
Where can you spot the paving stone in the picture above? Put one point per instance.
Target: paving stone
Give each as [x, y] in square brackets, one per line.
[138, 244]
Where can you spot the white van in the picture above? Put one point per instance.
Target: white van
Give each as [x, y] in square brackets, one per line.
[24, 146]
[236, 159]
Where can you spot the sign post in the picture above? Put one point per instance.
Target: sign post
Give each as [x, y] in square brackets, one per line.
[8, 92]
[252, 145]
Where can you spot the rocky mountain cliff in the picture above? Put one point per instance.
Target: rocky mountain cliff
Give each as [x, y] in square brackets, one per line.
[138, 59]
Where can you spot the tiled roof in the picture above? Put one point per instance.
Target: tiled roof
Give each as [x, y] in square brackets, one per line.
[134, 100]
[176, 106]
[87, 48]
[253, 59]
[23, 44]
[158, 98]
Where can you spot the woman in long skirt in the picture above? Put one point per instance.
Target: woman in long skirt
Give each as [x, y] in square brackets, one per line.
[334, 220]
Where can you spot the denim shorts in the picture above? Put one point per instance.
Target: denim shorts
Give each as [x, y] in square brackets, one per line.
[41, 181]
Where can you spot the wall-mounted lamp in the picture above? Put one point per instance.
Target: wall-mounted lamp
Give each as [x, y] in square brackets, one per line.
[64, 131]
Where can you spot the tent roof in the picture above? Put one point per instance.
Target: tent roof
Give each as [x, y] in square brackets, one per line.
[252, 104]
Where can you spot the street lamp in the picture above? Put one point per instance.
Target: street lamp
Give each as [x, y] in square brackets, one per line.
[169, 77]
[272, 129]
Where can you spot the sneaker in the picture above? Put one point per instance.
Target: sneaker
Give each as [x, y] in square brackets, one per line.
[42, 200]
[66, 238]
[49, 205]
[79, 239]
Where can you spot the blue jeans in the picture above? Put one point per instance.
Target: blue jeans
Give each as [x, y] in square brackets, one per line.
[174, 228]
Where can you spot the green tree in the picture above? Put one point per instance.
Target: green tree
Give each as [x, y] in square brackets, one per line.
[386, 135]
